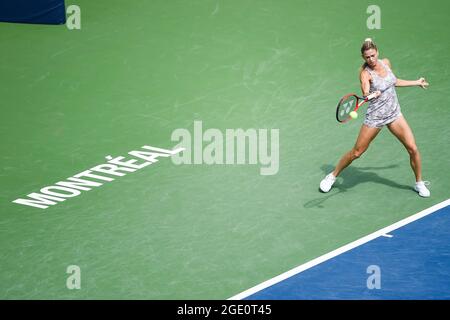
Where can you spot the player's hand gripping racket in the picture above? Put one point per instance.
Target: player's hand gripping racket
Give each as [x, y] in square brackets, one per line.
[351, 103]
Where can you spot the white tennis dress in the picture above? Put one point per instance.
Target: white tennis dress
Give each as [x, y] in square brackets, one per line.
[384, 109]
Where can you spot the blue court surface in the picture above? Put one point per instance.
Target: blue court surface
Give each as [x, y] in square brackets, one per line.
[408, 260]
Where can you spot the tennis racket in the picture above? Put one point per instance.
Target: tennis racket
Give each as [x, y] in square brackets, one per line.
[352, 102]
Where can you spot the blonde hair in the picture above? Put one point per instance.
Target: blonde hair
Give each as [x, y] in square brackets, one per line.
[367, 45]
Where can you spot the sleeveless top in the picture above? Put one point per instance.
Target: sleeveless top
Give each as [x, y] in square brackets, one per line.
[384, 109]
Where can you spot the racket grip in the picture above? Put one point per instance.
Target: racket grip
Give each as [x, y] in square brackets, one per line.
[371, 96]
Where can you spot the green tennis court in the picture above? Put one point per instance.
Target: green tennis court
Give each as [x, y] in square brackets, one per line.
[137, 72]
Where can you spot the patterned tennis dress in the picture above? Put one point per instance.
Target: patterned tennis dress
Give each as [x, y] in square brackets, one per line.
[384, 109]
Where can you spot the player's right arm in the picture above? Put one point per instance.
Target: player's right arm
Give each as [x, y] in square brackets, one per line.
[365, 78]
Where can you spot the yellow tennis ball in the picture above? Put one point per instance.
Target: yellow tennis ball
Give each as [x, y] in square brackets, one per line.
[353, 115]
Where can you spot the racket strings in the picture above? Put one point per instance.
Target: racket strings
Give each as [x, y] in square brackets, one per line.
[345, 107]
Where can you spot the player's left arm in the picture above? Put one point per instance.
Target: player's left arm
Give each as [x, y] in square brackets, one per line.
[408, 83]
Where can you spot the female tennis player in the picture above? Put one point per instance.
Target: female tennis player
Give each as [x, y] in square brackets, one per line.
[384, 110]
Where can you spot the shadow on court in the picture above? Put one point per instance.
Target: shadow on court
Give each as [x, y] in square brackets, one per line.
[351, 177]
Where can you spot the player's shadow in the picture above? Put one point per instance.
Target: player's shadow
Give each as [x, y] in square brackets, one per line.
[351, 177]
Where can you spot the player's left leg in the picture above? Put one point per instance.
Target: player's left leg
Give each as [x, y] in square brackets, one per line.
[403, 132]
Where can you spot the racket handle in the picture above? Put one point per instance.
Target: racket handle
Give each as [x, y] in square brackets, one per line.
[371, 96]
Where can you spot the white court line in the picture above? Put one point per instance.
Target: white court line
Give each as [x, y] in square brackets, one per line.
[339, 251]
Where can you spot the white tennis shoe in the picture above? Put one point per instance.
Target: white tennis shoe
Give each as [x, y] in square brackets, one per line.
[421, 188]
[327, 182]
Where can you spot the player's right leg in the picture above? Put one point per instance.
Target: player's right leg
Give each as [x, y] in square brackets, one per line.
[365, 137]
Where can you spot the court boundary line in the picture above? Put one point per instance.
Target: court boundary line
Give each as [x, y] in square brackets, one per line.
[341, 250]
